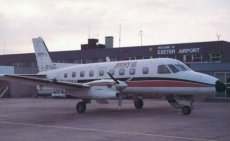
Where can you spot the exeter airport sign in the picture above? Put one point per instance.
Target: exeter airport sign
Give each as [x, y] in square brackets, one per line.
[164, 50]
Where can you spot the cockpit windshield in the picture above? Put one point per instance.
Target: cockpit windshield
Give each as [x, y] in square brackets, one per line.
[163, 69]
[181, 67]
[174, 68]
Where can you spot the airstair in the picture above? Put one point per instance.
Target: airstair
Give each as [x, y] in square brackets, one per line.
[3, 91]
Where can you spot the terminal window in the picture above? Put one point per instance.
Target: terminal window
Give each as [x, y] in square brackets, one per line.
[197, 58]
[132, 58]
[215, 57]
[187, 58]
[146, 57]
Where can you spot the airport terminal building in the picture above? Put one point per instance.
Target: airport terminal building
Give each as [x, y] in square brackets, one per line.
[212, 58]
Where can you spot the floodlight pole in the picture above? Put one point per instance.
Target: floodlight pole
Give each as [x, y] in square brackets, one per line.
[141, 34]
[218, 36]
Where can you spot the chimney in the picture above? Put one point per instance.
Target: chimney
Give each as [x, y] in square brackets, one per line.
[109, 42]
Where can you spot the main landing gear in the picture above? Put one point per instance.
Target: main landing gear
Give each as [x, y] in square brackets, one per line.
[176, 103]
[81, 106]
[138, 103]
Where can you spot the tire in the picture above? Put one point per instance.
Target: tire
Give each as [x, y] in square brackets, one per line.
[138, 103]
[186, 110]
[81, 107]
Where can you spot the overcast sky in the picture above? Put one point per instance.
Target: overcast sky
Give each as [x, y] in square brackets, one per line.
[64, 24]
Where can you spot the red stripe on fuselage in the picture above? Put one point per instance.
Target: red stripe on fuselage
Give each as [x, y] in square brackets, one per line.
[102, 84]
[155, 83]
[164, 83]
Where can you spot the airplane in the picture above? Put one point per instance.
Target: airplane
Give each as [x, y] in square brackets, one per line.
[146, 78]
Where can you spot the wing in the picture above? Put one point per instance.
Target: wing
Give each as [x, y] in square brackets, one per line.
[40, 80]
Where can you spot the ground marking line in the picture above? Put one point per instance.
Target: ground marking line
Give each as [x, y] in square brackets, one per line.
[106, 131]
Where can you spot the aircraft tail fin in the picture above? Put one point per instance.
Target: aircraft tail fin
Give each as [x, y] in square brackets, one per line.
[44, 61]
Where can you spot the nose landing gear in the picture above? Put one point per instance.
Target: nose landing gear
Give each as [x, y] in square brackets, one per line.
[176, 103]
[186, 110]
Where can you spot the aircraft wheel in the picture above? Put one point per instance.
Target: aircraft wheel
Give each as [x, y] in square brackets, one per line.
[186, 110]
[81, 107]
[138, 103]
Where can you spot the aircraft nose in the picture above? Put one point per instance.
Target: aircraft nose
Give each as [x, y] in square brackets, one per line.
[220, 87]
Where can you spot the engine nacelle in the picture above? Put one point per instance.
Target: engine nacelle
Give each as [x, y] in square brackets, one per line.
[102, 92]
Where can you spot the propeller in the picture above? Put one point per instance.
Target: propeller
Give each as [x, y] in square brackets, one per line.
[120, 85]
[115, 80]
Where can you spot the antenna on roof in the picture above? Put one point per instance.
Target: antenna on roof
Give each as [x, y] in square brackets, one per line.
[120, 35]
[218, 36]
[141, 34]
[89, 30]
[4, 45]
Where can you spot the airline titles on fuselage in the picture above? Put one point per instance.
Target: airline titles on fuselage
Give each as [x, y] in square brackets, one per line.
[125, 64]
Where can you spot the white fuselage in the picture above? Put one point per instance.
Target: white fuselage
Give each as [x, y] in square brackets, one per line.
[148, 77]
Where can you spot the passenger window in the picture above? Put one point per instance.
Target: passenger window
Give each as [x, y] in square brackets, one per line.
[145, 70]
[173, 68]
[65, 75]
[73, 74]
[101, 72]
[91, 73]
[122, 71]
[112, 71]
[82, 73]
[132, 71]
[162, 69]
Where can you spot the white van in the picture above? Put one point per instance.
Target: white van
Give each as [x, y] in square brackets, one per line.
[59, 93]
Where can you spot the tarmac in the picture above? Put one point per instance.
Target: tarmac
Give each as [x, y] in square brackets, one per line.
[40, 119]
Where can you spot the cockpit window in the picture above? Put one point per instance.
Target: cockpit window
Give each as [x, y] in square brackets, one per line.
[173, 68]
[163, 69]
[181, 67]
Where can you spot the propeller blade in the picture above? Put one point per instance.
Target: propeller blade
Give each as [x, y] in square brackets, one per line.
[115, 80]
